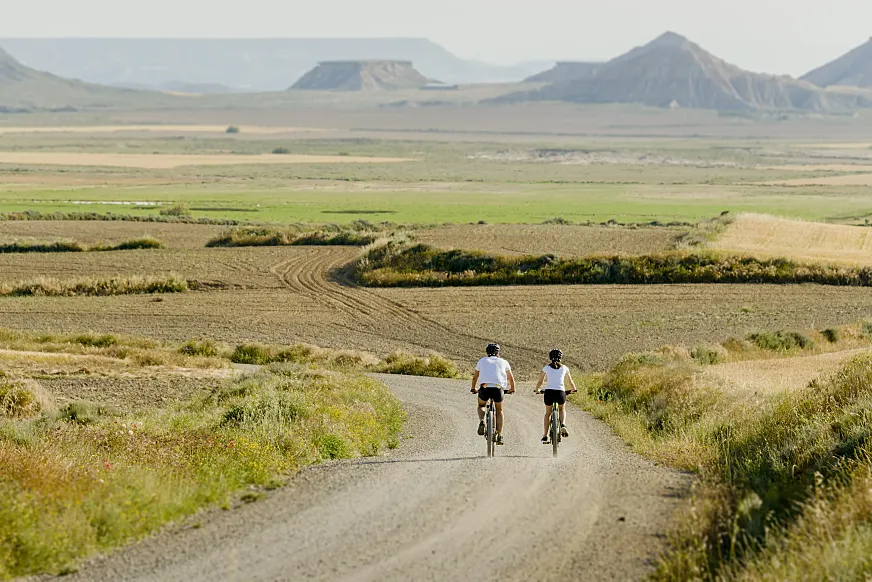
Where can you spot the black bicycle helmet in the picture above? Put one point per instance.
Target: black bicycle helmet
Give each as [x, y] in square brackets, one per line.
[493, 349]
[555, 355]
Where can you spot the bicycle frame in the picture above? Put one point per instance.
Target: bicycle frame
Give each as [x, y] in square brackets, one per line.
[490, 415]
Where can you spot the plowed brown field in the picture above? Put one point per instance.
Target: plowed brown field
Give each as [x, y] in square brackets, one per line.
[293, 294]
[561, 240]
[89, 233]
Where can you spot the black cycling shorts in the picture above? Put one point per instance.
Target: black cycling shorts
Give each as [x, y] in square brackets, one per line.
[495, 394]
[553, 397]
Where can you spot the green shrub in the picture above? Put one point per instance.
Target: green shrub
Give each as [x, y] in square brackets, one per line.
[781, 341]
[95, 341]
[232, 129]
[175, 210]
[708, 355]
[82, 413]
[253, 354]
[433, 365]
[832, 335]
[281, 151]
[332, 446]
[140, 243]
[201, 348]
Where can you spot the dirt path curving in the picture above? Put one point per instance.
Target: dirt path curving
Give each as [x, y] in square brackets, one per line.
[437, 509]
[318, 275]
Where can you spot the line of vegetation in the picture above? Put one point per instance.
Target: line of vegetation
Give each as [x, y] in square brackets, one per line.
[560, 221]
[207, 353]
[395, 265]
[120, 285]
[768, 344]
[109, 217]
[75, 247]
[137, 350]
[781, 481]
[295, 236]
[433, 365]
[82, 478]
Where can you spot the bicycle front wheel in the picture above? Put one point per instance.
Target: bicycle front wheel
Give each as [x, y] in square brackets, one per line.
[491, 430]
[555, 430]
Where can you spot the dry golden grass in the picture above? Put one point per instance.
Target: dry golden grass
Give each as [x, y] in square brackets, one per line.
[170, 161]
[769, 236]
[562, 240]
[771, 376]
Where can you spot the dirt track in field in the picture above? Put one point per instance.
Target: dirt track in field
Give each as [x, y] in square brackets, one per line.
[437, 509]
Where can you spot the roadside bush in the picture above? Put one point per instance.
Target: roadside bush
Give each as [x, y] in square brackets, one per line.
[232, 129]
[433, 365]
[281, 151]
[175, 210]
[200, 348]
[96, 341]
[758, 465]
[832, 335]
[709, 355]
[781, 341]
[21, 398]
[252, 354]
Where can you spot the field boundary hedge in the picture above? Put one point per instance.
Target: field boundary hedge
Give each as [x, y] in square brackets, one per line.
[395, 265]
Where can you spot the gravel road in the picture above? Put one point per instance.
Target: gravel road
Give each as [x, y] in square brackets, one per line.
[436, 508]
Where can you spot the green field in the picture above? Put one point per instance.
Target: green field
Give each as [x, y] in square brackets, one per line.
[597, 180]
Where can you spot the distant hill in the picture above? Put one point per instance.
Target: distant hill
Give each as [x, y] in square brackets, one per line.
[243, 64]
[671, 71]
[23, 89]
[361, 76]
[565, 71]
[853, 69]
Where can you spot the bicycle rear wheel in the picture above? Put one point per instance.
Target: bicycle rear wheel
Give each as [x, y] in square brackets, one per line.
[491, 429]
[555, 430]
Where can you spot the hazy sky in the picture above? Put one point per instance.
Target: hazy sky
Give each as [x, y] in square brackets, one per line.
[773, 36]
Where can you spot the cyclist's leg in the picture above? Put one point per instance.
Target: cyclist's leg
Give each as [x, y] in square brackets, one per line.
[547, 420]
[481, 408]
[561, 408]
[499, 415]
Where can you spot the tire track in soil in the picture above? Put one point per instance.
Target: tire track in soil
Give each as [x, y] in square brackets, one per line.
[322, 276]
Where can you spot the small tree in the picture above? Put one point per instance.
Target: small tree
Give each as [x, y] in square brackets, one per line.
[232, 129]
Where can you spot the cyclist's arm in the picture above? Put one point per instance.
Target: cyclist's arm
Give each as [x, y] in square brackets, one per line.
[542, 377]
[475, 382]
[571, 382]
[511, 378]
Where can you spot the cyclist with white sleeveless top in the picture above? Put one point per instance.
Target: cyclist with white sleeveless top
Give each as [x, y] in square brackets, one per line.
[492, 375]
[555, 376]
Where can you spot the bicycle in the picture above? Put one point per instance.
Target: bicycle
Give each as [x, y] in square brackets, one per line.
[491, 425]
[555, 424]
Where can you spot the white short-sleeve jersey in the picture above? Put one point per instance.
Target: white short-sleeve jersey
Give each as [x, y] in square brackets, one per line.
[493, 370]
[556, 377]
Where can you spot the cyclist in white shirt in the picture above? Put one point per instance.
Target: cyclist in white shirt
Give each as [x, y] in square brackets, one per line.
[555, 375]
[492, 375]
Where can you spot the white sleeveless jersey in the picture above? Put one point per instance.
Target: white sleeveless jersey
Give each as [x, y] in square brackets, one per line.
[555, 377]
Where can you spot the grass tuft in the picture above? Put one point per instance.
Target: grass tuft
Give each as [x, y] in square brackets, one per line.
[21, 398]
[432, 365]
[781, 341]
